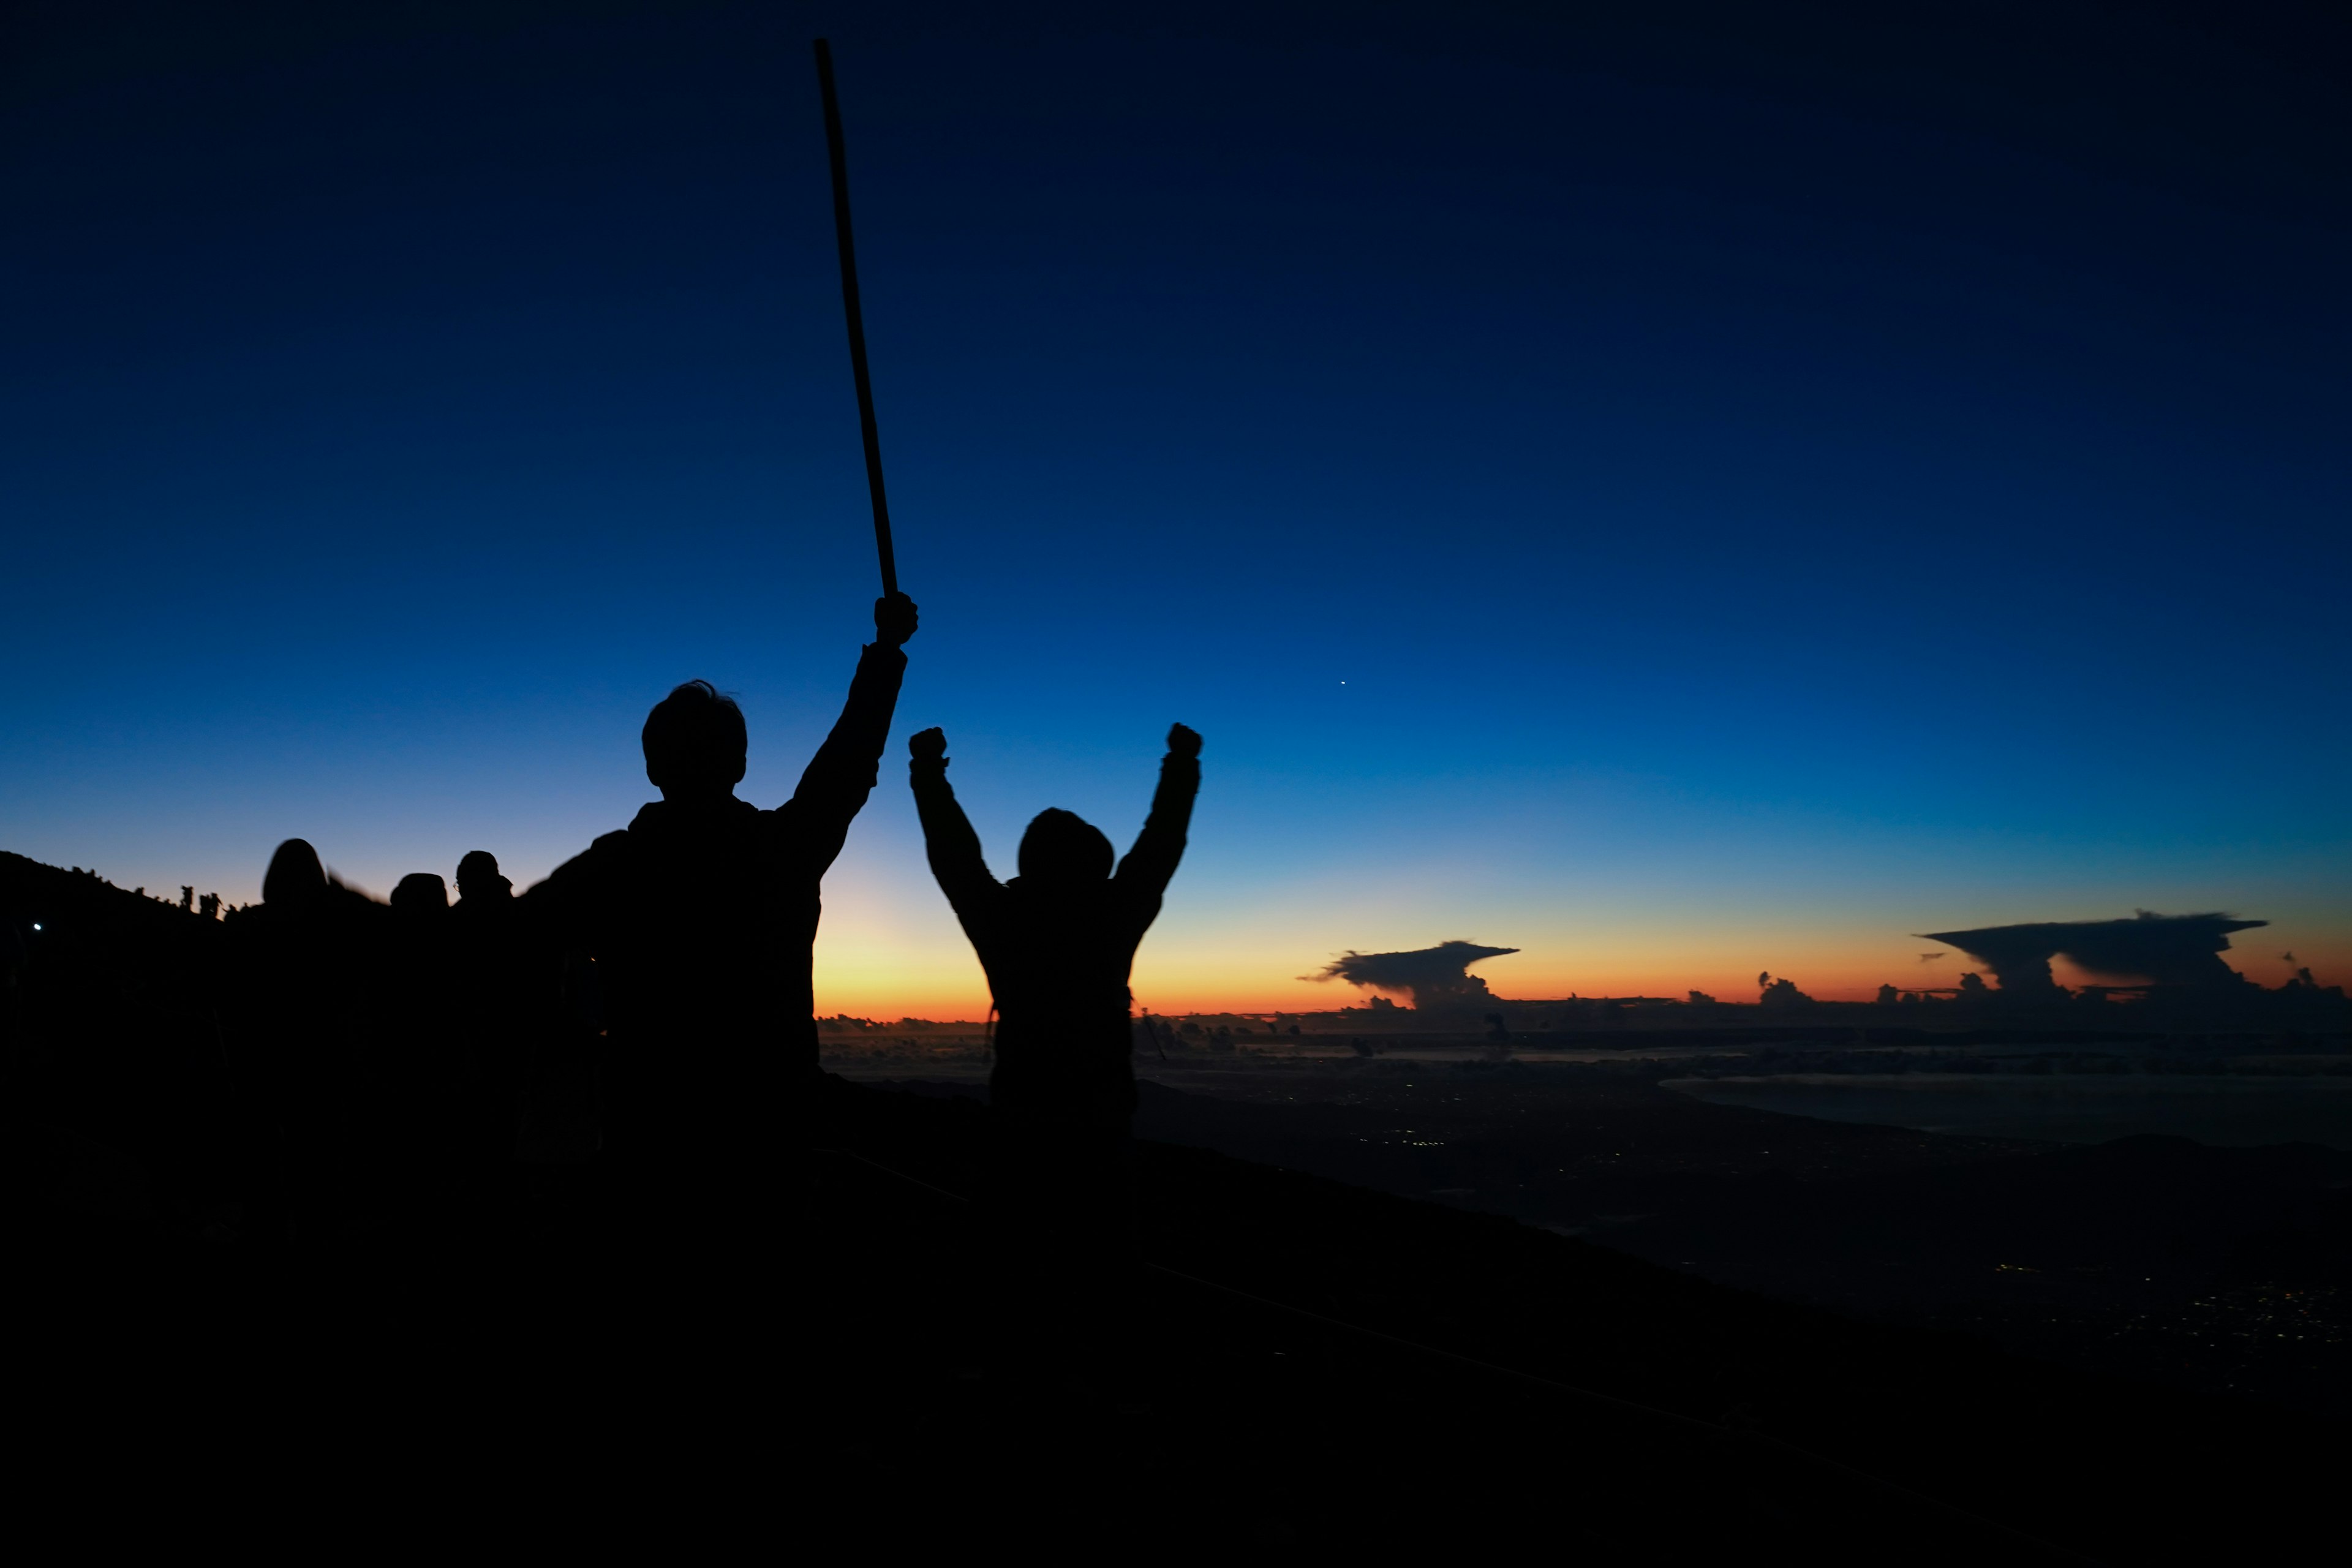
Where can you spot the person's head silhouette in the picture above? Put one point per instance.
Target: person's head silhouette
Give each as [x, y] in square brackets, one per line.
[295, 877]
[420, 893]
[695, 744]
[1064, 850]
[478, 876]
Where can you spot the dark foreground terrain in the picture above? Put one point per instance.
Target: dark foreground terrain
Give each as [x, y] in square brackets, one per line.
[2224, 1270]
[1311, 1366]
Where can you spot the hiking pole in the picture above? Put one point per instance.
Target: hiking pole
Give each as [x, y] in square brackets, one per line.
[856, 318]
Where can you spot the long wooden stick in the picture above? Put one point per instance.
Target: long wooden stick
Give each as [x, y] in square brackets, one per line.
[856, 318]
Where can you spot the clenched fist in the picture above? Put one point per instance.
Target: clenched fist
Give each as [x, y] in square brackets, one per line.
[893, 620]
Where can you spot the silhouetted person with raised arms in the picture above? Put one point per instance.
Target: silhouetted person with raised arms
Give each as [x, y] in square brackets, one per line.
[1057, 942]
[700, 916]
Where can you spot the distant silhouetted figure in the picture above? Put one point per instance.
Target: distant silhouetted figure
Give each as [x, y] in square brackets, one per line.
[297, 982]
[479, 882]
[700, 915]
[1057, 942]
[422, 1093]
[420, 891]
[503, 1002]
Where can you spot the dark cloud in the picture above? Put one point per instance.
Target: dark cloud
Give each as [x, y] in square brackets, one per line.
[1433, 976]
[2159, 950]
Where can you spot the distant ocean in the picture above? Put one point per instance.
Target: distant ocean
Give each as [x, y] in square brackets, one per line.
[2063, 1108]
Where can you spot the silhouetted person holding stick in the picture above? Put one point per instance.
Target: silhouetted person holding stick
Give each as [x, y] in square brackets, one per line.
[1058, 943]
[700, 916]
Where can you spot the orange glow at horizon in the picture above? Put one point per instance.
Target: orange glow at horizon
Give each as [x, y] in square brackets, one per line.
[899, 988]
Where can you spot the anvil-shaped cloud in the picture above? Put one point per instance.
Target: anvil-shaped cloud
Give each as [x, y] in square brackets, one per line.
[1433, 976]
[2165, 950]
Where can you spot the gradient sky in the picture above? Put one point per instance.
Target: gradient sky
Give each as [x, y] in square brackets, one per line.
[1682, 497]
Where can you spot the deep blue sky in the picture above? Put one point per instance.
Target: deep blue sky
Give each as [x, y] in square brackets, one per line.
[1768, 484]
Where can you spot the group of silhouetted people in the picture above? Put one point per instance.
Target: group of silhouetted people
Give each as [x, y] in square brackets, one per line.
[685, 939]
[381, 1046]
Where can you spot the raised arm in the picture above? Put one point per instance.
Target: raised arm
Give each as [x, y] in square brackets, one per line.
[834, 787]
[1149, 865]
[948, 838]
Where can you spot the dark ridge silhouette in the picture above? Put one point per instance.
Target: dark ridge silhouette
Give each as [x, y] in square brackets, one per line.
[699, 918]
[111, 1042]
[1435, 977]
[1059, 944]
[2159, 950]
